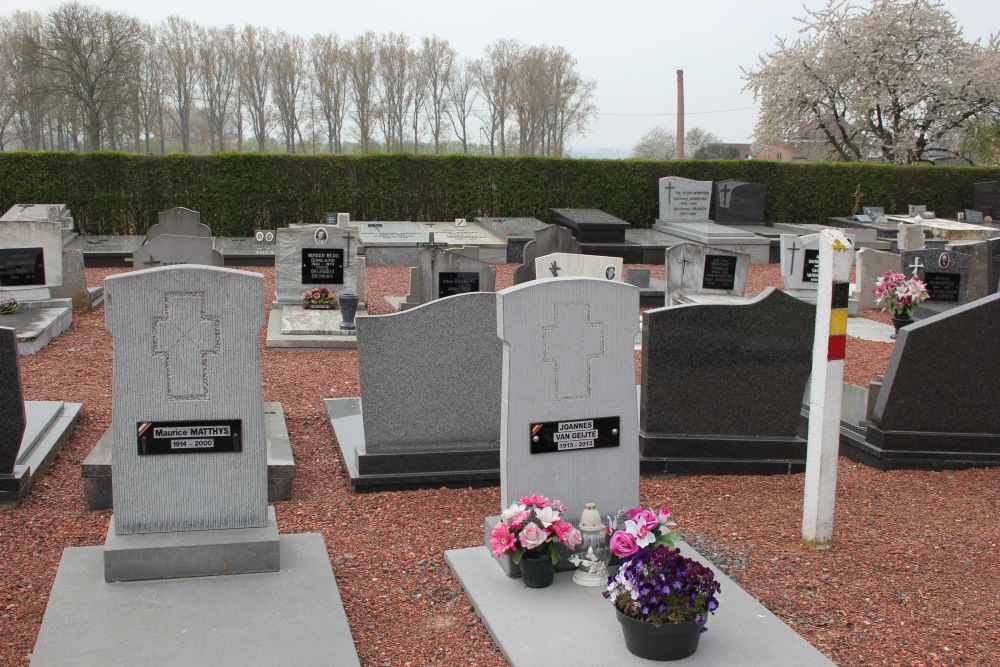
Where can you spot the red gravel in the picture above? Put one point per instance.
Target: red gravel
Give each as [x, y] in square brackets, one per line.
[910, 580]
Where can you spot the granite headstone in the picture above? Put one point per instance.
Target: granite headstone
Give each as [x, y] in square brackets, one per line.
[516, 231]
[440, 273]
[800, 265]
[12, 417]
[872, 265]
[910, 237]
[30, 259]
[553, 238]
[178, 221]
[986, 198]
[684, 200]
[739, 202]
[590, 225]
[312, 256]
[168, 249]
[565, 264]
[694, 269]
[945, 273]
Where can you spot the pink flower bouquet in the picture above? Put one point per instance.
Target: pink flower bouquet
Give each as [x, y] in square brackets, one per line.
[898, 294]
[532, 526]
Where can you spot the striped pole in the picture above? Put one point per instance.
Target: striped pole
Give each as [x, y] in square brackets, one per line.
[825, 397]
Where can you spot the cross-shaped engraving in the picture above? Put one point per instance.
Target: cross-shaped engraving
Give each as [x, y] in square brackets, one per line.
[571, 342]
[555, 269]
[917, 265]
[152, 261]
[792, 249]
[184, 336]
[669, 187]
[724, 195]
[683, 261]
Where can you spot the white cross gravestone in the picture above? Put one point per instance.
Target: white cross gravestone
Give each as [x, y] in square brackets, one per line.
[800, 265]
[569, 426]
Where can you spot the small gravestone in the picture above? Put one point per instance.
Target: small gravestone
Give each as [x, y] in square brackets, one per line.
[564, 265]
[178, 221]
[986, 198]
[441, 273]
[916, 210]
[910, 237]
[516, 231]
[169, 249]
[553, 238]
[684, 200]
[974, 217]
[313, 256]
[800, 265]
[945, 273]
[30, 259]
[755, 355]
[872, 265]
[739, 202]
[694, 270]
[637, 276]
[874, 212]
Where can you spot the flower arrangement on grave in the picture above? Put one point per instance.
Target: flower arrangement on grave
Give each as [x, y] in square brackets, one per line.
[655, 583]
[318, 296]
[9, 306]
[898, 294]
[531, 528]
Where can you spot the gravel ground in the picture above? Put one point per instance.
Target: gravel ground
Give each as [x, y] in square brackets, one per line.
[911, 579]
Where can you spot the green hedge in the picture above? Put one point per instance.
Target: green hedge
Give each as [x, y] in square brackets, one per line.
[119, 193]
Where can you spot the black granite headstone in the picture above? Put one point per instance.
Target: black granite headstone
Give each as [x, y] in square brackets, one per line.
[590, 225]
[946, 273]
[322, 266]
[739, 202]
[974, 217]
[810, 267]
[720, 272]
[12, 419]
[943, 286]
[22, 267]
[986, 198]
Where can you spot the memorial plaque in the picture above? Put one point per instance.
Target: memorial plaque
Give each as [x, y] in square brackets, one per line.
[567, 436]
[22, 267]
[322, 266]
[189, 437]
[943, 286]
[810, 267]
[975, 217]
[457, 282]
[720, 272]
[331, 218]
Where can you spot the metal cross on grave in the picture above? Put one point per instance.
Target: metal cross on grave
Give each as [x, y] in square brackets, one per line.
[683, 261]
[433, 245]
[184, 336]
[670, 190]
[571, 342]
[917, 264]
[152, 261]
[857, 200]
[724, 192]
[555, 269]
[792, 249]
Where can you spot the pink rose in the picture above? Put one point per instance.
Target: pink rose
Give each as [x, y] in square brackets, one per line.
[519, 518]
[533, 535]
[501, 540]
[536, 500]
[573, 538]
[623, 544]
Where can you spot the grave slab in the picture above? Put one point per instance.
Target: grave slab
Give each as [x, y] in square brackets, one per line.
[169, 249]
[245, 251]
[590, 225]
[111, 250]
[721, 237]
[516, 231]
[38, 322]
[294, 616]
[49, 426]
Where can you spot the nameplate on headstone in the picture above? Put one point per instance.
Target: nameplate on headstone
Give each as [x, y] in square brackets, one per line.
[22, 267]
[567, 436]
[810, 267]
[322, 266]
[457, 282]
[720, 272]
[189, 437]
[973, 216]
[264, 237]
[331, 218]
[943, 286]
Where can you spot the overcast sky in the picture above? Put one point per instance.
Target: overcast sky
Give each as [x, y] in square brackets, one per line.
[631, 48]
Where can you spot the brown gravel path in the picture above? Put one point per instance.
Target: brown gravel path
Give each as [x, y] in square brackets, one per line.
[911, 579]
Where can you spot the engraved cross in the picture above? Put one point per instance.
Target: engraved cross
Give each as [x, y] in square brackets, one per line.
[917, 265]
[683, 261]
[152, 261]
[555, 269]
[571, 343]
[792, 249]
[724, 191]
[184, 337]
[669, 187]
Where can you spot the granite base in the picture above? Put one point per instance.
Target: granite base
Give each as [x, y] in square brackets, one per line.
[721, 455]
[277, 340]
[48, 427]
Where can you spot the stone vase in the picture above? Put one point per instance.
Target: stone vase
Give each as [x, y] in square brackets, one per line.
[348, 309]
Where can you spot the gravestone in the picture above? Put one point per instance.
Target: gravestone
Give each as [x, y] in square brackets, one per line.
[178, 221]
[739, 202]
[590, 225]
[684, 200]
[169, 249]
[516, 231]
[442, 273]
[916, 210]
[314, 256]
[12, 419]
[910, 237]
[392, 242]
[872, 265]
[553, 238]
[975, 217]
[874, 212]
[637, 276]
[696, 270]
[747, 365]
[984, 272]
[986, 198]
[800, 265]
[568, 411]
[564, 265]
[429, 411]
[74, 283]
[945, 273]
[30, 259]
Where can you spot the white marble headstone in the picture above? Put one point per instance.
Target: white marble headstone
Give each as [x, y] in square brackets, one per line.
[800, 265]
[29, 249]
[567, 265]
[684, 200]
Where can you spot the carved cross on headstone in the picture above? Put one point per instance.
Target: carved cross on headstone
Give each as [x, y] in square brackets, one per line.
[857, 200]
[917, 264]
[571, 342]
[792, 249]
[670, 189]
[683, 261]
[184, 336]
[724, 191]
[152, 261]
[555, 269]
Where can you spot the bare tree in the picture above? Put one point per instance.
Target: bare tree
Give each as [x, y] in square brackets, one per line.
[461, 95]
[364, 56]
[24, 95]
[288, 75]
[436, 63]
[255, 76]
[217, 53]
[495, 73]
[395, 71]
[180, 58]
[330, 69]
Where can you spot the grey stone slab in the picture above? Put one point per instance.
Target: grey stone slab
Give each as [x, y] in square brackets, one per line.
[12, 419]
[910, 237]
[515, 231]
[946, 273]
[194, 553]
[30, 259]
[590, 225]
[392, 233]
[984, 272]
[569, 357]
[49, 425]
[720, 237]
[38, 322]
[563, 264]
[741, 632]
[872, 265]
[108, 250]
[37, 213]
[292, 617]
[723, 384]
[311, 256]
[178, 221]
[331, 336]
[986, 198]
[739, 202]
[553, 238]
[694, 269]
[245, 250]
[186, 350]
[684, 200]
[469, 234]
[169, 249]
[637, 276]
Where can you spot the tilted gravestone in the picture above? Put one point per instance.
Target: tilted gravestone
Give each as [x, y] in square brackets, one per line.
[565, 265]
[872, 265]
[722, 385]
[178, 221]
[945, 273]
[547, 241]
[739, 202]
[694, 269]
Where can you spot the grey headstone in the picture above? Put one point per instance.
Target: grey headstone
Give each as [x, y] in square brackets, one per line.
[984, 272]
[569, 356]
[732, 370]
[516, 231]
[186, 349]
[430, 377]
[442, 273]
[168, 249]
[684, 200]
[872, 265]
[696, 269]
[290, 270]
[910, 237]
[12, 418]
[946, 273]
[972, 216]
[874, 212]
[638, 277]
[30, 259]
[547, 241]
[74, 280]
[739, 202]
[178, 221]
[986, 198]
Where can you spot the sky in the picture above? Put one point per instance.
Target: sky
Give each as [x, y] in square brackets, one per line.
[631, 48]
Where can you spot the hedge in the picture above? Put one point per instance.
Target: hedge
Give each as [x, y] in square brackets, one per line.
[120, 193]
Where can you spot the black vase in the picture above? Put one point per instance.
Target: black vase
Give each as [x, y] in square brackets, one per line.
[901, 321]
[537, 572]
[348, 308]
[669, 641]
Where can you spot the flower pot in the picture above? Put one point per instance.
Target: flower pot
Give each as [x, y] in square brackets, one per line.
[901, 321]
[536, 572]
[348, 308]
[669, 641]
